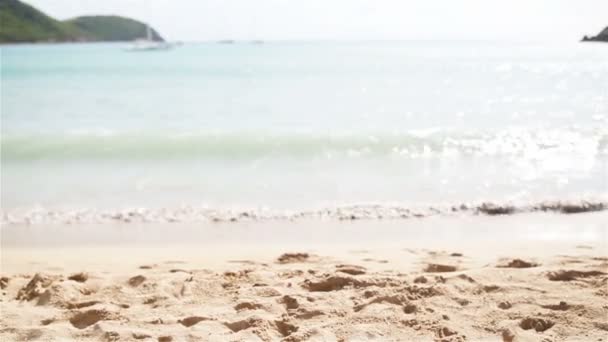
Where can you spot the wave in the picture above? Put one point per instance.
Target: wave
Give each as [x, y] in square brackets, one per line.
[190, 214]
[254, 145]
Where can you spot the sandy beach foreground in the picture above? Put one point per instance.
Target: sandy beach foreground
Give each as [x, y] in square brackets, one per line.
[529, 277]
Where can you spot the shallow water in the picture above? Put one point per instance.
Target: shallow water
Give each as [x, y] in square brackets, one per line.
[302, 125]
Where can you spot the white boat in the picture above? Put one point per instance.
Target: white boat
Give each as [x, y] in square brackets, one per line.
[148, 43]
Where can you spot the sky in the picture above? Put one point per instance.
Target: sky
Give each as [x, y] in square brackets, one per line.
[200, 20]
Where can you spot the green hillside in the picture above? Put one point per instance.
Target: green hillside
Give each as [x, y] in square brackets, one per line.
[112, 28]
[20, 22]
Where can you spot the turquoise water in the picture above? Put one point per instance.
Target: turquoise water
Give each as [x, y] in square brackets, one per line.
[302, 125]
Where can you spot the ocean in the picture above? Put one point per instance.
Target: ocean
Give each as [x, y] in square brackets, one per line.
[300, 126]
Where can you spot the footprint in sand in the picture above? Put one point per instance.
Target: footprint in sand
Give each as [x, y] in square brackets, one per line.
[505, 305]
[35, 287]
[47, 321]
[285, 328]
[518, 263]
[244, 324]
[333, 283]
[399, 300]
[136, 281]
[140, 336]
[81, 305]
[351, 269]
[562, 306]
[447, 334]
[306, 314]
[420, 280]
[247, 306]
[570, 275]
[192, 320]
[466, 277]
[282, 327]
[4, 282]
[289, 302]
[439, 268]
[290, 258]
[79, 277]
[537, 324]
[82, 320]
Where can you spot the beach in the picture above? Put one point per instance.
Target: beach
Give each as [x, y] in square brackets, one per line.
[525, 277]
[305, 191]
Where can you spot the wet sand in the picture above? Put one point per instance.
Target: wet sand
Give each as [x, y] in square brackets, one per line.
[528, 277]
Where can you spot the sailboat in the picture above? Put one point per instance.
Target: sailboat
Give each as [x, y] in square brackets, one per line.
[148, 43]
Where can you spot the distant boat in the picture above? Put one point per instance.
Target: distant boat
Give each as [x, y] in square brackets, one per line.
[148, 43]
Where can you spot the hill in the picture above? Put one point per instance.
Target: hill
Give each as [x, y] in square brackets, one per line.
[112, 28]
[20, 22]
[601, 37]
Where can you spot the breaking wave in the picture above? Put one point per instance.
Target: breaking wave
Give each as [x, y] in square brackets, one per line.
[253, 145]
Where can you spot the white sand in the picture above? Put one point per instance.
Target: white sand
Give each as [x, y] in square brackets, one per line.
[367, 280]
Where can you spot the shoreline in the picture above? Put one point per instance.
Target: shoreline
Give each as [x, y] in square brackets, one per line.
[486, 235]
[193, 214]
